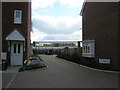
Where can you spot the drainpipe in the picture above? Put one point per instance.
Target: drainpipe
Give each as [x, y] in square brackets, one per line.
[79, 44]
[0, 45]
[28, 31]
[0, 31]
[119, 36]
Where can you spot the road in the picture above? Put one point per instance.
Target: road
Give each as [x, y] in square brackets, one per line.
[64, 74]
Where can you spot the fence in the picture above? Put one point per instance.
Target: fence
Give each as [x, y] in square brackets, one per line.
[71, 54]
[75, 55]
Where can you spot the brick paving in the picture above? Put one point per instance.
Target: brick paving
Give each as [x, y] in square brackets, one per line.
[64, 74]
[8, 75]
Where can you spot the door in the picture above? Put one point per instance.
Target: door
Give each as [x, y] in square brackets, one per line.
[16, 53]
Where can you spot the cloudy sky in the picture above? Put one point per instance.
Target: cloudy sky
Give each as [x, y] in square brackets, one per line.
[56, 20]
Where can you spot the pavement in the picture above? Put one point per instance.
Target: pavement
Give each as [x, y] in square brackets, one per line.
[8, 75]
[12, 69]
[61, 74]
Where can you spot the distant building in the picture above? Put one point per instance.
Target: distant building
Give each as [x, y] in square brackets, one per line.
[56, 44]
[16, 26]
[101, 33]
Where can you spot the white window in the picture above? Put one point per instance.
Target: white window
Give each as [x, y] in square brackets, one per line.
[4, 55]
[88, 48]
[17, 16]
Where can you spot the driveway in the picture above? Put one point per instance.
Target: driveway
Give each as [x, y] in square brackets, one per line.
[64, 74]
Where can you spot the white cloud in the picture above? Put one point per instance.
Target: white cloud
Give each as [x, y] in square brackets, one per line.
[52, 25]
[55, 28]
[40, 36]
[42, 3]
[71, 3]
[51, 28]
[46, 3]
[37, 35]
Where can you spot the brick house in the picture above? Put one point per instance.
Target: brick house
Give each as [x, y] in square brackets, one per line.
[101, 33]
[16, 26]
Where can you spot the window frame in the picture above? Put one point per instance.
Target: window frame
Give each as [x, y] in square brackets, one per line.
[88, 48]
[17, 20]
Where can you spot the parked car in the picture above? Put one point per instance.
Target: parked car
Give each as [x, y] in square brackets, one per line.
[37, 63]
[33, 64]
[49, 52]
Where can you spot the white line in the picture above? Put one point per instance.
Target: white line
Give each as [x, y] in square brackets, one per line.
[11, 81]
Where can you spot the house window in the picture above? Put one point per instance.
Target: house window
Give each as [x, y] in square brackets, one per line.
[18, 48]
[14, 48]
[17, 16]
[88, 48]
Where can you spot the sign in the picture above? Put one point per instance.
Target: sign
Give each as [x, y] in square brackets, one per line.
[104, 61]
[3, 55]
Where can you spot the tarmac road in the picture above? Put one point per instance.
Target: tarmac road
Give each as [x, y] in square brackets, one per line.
[64, 74]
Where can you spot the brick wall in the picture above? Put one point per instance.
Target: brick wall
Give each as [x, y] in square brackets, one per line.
[100, 22]
[75, 55]
[8, 24]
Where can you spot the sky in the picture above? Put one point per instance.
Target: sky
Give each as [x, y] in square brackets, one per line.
[56, 20]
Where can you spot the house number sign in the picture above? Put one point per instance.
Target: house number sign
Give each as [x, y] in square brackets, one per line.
[104, 61]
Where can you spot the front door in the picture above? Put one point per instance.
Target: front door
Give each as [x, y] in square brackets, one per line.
[16, 53]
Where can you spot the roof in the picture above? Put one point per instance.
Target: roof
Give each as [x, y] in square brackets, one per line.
[15, 35]
[83, 6]
[84, 3]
